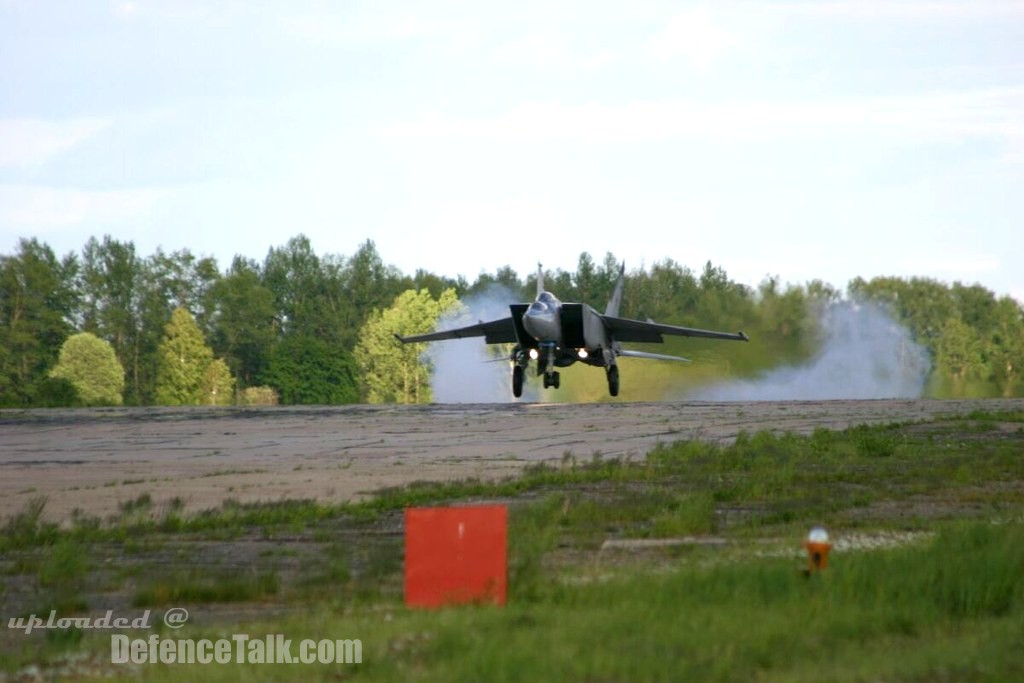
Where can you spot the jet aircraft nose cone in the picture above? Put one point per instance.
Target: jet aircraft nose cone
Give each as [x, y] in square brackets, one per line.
[541, 322]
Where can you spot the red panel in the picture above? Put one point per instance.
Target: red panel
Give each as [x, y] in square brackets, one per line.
[455, 555]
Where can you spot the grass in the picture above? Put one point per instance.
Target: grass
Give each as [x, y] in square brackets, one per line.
[952, 605]
[740, 621]
[65, 563]
[906, 614]
[205, 587]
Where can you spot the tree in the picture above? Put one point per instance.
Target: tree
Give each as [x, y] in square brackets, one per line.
[367, 285]
[959, 352]
[304, 369]
[241, 312]
[293, 275]
[183, 361]
[1005, 346]
[392, 372]
[182, 280]
[977, 306]
[786, 324]
[218, 386]
[585, 281]
[669, 293]
[165, 282]
[821, 292]
[38, 300]
[91, 366]
[506, 278]
[112, 287]
[435, 284]
[923, 304]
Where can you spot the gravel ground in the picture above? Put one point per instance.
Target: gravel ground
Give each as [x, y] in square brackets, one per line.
[92, 459]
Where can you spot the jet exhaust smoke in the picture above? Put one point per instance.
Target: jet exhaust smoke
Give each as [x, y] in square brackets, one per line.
[865, 355]
[468, 370]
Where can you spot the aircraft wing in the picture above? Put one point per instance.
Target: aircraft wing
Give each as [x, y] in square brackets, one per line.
[501, 331]
[628, 353]
[625, 330]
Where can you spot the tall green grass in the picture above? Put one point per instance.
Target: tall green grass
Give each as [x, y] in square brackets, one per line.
[197, 586]
[949, 609]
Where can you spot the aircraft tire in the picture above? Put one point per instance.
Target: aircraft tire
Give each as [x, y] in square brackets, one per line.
[613, 380]
[517, 381]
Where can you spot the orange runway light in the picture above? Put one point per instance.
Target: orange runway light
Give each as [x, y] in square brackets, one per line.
[817, 545]
[455, 555]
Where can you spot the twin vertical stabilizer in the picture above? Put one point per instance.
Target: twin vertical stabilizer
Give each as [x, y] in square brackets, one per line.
[616, 301]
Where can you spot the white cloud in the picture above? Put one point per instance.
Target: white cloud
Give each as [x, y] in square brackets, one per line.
[27, 208]
[28, 143]
[916, 10]
[126, 9]
[467, 237]
[550, 49]
[695, 35]
[378, 29]
[994, 112]
[171, 10]
[961, 265]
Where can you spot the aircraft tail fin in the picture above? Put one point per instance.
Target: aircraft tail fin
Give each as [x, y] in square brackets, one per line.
[540, 279]
[616, 301]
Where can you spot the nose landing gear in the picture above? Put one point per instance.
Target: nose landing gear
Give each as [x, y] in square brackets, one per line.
[545, 366]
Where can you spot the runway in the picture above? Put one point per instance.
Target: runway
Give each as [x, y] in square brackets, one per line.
[93, 459]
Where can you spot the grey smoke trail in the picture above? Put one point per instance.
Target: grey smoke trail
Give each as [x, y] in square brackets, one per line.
[468, 370]
[865, 355]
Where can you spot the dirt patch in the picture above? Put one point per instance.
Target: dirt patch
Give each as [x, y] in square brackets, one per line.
[94, 459]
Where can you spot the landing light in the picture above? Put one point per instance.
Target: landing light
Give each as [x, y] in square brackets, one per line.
[582, 353]
[534, 354]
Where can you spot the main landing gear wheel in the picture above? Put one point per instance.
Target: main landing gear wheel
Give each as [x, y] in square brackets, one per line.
[517, 381]
[552, 380]
[613, 380]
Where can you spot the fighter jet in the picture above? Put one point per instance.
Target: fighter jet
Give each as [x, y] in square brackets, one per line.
[556, 335]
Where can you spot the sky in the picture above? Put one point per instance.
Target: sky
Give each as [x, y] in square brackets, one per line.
[800, 139]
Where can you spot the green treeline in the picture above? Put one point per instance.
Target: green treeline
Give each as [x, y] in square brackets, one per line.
[108, 326]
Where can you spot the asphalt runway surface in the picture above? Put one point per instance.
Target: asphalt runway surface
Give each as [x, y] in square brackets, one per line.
[94, 459]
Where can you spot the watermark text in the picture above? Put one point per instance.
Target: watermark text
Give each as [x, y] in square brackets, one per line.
[240, 648]
[107, 621]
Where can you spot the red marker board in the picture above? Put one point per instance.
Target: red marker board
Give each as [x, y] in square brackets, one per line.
[455, 555]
